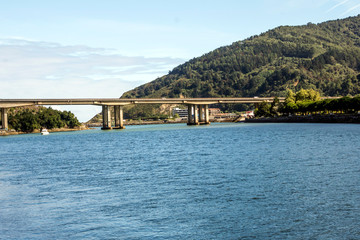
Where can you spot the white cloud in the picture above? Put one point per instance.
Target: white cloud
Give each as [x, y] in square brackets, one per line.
[31, 69]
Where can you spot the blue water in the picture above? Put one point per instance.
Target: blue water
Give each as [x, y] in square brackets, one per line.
[223, 181]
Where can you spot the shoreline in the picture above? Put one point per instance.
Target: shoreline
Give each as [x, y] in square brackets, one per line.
[10, 133]
[330, 118]
[94, 125]
[134, 123]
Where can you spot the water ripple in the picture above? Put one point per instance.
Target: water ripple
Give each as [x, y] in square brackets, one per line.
[223, 181]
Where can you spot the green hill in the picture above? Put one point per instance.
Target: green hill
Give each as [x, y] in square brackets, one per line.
[30, 118]
[324, 57]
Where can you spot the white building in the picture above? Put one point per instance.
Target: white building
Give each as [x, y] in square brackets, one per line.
[249, 114]
[183, 113]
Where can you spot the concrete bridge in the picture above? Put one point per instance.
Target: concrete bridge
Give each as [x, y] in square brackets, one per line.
[198, 108]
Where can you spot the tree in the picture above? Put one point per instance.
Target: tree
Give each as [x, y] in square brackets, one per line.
[27, 120]
[274, 107]
[263, 110]
[290, 108]
[302, 95]
[290, 97]
[303, 107]
[355, 103]
[313, 95]
[69, 118]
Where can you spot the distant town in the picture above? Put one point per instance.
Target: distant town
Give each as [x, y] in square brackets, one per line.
[214, 113]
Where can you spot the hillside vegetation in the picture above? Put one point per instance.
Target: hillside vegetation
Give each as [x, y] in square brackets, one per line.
[308, 102]
[27, 119]
[324, 57]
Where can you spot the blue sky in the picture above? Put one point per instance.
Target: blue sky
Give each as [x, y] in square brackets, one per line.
[77, 48]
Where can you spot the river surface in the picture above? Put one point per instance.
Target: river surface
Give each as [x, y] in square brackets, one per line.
[223, 181]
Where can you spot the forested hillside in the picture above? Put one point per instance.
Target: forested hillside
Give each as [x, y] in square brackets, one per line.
[324, 57]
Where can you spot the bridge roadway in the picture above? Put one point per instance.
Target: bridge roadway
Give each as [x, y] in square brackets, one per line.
[6, 103]
[198, 111]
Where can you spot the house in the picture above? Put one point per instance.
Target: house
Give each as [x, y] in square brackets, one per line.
[214, 111]
[183, 113]
[249, 114]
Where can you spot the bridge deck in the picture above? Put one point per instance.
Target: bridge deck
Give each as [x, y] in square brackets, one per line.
[6, 103]
[198, 108]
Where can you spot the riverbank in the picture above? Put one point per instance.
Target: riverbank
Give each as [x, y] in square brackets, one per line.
[13, 132]
[143, 122]
[330, 118]
[92, 125]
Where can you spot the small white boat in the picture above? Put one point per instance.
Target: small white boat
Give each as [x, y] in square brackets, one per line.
[44, 132]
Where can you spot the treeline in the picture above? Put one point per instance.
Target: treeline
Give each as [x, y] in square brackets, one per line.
[138, 112]
[324, 57]
[29, 119]
[308, 102]
[144, 112]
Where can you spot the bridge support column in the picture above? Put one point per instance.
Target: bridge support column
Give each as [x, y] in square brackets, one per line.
[193, 114]
[189, 114]
[106, 114]
[201, 113]
[4, 119]
[198, 114]
[207, 118]
[119, 117]
[204, 114]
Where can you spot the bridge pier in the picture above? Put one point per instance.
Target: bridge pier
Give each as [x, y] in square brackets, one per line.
[201, 113]
[119, 117]
[107, 120]
[106, 114]
[193, 117]
[189, 114]
[207, 116]
[198, 114]
[4, 119]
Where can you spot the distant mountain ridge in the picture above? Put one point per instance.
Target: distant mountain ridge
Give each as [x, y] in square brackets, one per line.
[324, 57]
